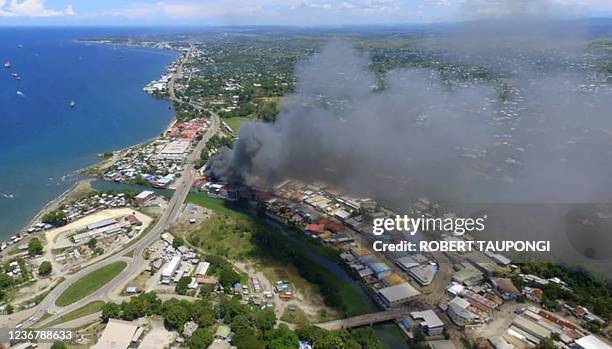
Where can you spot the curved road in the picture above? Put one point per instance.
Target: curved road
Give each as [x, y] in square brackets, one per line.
[135, 264]
[168, 217]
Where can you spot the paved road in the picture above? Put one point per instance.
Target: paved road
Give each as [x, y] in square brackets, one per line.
[169, 216]
[367, 319]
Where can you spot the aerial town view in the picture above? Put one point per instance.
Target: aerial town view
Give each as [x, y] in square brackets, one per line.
[278, 174]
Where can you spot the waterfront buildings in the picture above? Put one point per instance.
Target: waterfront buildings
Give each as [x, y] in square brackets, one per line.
[395, 295]
[429, 321]
[144, 196]
[175, 150]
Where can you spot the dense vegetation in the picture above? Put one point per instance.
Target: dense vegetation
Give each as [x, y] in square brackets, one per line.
[44, 268]
[56, 218]
[586, 289]
[35, 247]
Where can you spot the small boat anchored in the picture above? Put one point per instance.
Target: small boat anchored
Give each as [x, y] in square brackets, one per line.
[72, 104]
[8, 65]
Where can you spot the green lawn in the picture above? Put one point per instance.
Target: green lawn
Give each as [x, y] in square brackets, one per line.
[224, 235]
[235, 122]
[89, 283]
[87, 309]
[217, 205]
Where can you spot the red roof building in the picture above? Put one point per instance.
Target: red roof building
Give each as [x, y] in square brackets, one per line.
[133, 220]
[315, 228]
[331, 225]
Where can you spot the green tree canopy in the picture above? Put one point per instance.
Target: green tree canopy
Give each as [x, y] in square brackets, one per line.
[59, 345]
[35, 247]
[201, 338]
[181, 285]
[92, 243]
[281, 338]
[246, 339]
[546, 343]
[110, 311]
[177, 242]
[44, 268]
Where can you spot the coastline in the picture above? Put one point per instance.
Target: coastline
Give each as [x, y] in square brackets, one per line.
[58, 201]
[85, 183]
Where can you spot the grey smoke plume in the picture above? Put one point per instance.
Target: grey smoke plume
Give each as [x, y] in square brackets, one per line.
[547, 141]
[337, 127]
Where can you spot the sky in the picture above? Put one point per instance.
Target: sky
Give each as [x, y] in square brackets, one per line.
[277, 12]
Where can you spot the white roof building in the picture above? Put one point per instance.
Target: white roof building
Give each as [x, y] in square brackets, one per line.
[430, 321]
[459, 311]
[176, 150]
[592, 342]
[202, 268]
[424, 275]
[170, 268]
[118, 334]
[144, 195]
[406, 263]
[101, 224]
[397, 294]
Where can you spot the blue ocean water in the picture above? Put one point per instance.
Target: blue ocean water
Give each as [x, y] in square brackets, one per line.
[42, 139]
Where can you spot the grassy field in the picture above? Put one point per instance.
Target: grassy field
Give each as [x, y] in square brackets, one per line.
[89, 283]
[87, 309]
[235, 123]
[352, 301]
[216, 205]
[224, 235]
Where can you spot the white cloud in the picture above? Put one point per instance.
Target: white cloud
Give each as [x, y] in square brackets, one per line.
[31, 8]
[186, 10]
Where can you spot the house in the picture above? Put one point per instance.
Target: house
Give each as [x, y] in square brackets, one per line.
[144, 196]
[133, 220]
[533, 294]
[506, 288]
[201, 270]
[460, 311]
[315, 229]
[429, 322]
[468, 276]
[189, 328]
[378, 267]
